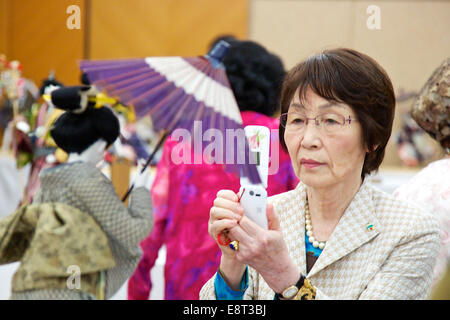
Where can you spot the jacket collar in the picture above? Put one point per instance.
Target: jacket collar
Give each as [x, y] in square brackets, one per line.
[357, 226]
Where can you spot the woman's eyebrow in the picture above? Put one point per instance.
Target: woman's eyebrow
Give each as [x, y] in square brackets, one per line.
[322, 106]
[297, 105]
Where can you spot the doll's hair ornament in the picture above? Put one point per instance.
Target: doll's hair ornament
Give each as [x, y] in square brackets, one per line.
[74, 98]
[49, 83]
[84, 122]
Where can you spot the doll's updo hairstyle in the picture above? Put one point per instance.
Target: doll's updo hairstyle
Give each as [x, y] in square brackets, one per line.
[82, 124]
[255, 75]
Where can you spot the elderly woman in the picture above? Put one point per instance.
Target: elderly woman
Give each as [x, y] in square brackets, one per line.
[334, 236]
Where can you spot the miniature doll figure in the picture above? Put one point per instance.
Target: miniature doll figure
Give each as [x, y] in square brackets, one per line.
[77, 240]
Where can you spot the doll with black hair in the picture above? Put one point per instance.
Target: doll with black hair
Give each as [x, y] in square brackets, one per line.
[255, 76]
[85, 131]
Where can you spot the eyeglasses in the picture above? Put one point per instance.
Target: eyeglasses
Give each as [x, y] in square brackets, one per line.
[328, 122]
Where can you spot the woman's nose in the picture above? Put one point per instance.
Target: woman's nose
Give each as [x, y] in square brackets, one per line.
[311, 136]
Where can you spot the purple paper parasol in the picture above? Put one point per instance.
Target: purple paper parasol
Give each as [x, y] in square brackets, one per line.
[176, 92]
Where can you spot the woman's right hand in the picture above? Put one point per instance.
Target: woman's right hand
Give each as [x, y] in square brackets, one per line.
[224, 215]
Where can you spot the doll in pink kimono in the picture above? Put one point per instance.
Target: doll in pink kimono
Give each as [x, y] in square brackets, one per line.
[183, 194]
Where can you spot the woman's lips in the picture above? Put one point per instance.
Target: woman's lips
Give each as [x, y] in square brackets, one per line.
[309, 163]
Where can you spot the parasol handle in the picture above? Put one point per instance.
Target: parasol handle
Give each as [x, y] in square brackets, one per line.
[150, 158]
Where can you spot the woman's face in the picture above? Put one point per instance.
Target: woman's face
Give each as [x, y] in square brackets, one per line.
[322, 158]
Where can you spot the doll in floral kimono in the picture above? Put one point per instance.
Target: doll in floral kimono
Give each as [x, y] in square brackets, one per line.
[77, 240]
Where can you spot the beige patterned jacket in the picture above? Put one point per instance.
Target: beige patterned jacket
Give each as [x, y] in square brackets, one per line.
[393, 259]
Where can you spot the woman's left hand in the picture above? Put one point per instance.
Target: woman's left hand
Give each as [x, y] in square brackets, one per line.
[266, 251]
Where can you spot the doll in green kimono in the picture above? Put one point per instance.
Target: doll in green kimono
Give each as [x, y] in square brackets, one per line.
[77, 240]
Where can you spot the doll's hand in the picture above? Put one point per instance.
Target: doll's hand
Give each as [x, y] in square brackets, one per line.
[142, 179]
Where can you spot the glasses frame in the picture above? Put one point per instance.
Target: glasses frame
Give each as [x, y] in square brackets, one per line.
[348, 119]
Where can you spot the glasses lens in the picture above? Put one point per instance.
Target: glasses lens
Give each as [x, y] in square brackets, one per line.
[331, 121]
[295, 121]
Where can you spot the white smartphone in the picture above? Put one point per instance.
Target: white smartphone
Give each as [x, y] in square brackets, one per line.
[254, 202]
[254, 197]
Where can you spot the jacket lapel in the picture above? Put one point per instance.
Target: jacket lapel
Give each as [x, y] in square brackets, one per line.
[293, 225]
[300, 247]
[357, 226]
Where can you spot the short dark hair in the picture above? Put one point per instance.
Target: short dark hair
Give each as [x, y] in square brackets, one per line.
[76, 132]
[347, 76]
[255, 76]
